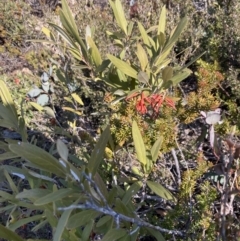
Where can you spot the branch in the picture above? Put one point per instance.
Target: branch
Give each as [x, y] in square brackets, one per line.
[111, 212]
[117, 216]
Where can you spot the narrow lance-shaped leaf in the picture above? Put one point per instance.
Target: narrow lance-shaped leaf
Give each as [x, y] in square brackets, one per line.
[38, 157]
[178, 30]
[119, 15]
[54, 196]
[160, 190]
[139, 144]
[98, 151]
[142, 56]
[24, 221]
[162, 21]
[81, 218]
[94, 52]
[69, 24]
[64, 35]
[114, 234]
[155, 149]
[135, 187]
[170, 43]
[62, 150]
[145, 38]
[156, 234]
[123, 66]
[7, 234]
[62, 225]
[167, 73]
[7, 99]
[180, 76]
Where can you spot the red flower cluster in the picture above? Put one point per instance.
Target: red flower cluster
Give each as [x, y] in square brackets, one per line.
[154, 100]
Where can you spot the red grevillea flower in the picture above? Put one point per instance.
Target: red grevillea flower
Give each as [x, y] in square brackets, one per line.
[169, 101]
[141, 106]
[156, 101]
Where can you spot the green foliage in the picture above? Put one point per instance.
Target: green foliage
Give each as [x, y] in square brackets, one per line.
[81, 194]
[12, 29]
[209, 80]
[203, 223]
[121, 124]
[38, 60]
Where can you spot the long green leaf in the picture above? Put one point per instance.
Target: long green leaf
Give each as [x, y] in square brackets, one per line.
[162, 21]
[7, 124]
[98, 152]
[155, 149]
[142, 57]
[7, 156]
[180, 76]
[145, 38]
[81, 218]
[7, 115]
[119, 15]
[69, 24]
[114, 234]
[160, 190]
[11, 182]
[33, 194]
[87, 230]
[9, 235]
[94, 52]
[170, 43]
[139, 144]
[123, 66]
[61, 225]
[64, 35]
[39, 157]
[7, 99]
[135, 187]
[24, 221]
[156, 234]
[7, 196]
[54, 196]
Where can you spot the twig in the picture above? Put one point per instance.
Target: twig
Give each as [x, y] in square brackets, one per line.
[177, 167]
[107, 210]
[119, 216]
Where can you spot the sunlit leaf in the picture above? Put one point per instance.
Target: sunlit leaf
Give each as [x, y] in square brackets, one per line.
[139, 144]
[123, 66]
[7, 100]
[94, 52]
[162, 20]
[142, 56]
[132, 190]
[167, 73]
[143, 77]
[156, 148]
[119, 14]
[62, 150]
[77, 98]
[36, 105]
